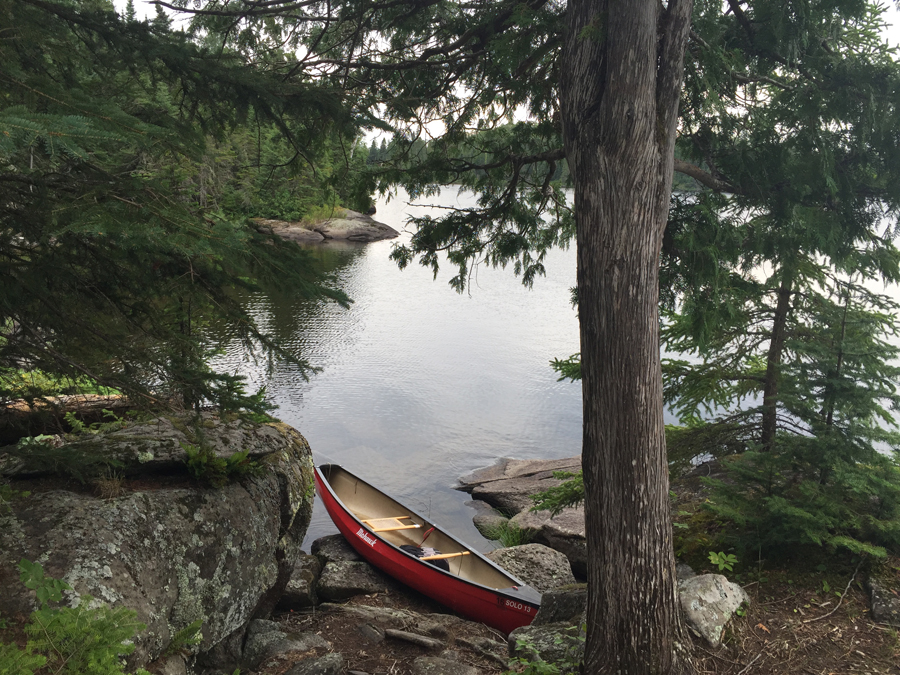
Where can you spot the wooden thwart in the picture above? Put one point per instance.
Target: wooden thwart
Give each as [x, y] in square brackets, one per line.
[443, 555]
[389, 524]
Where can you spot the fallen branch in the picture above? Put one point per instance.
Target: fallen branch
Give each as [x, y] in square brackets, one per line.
[747, 667]
[846, 588]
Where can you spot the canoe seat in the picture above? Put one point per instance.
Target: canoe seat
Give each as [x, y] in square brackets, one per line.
[390, 524]
[443, 556]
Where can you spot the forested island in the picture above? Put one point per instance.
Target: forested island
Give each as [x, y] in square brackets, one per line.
[728, 172]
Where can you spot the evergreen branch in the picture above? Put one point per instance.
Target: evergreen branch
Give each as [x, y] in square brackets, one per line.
[256, 9]
[704, 177]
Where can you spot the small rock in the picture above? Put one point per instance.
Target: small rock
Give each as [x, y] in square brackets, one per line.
[488, 520]
[488, 524]
[371, 633]
[885, 604]
[433, 665]
[342, 580]
[708, 601]
[265, 641]
[173, 665]
[562, 605]
[537, 565]
[301, 589]
[260, 626]
[334, 548]
[330, 664]
[421, 640]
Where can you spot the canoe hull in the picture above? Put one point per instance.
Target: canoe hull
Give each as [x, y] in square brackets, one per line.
[503, 609]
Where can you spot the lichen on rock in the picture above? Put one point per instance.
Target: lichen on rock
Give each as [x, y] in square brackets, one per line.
[178, 553]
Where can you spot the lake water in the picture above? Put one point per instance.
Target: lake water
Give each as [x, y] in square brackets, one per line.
[420, 385]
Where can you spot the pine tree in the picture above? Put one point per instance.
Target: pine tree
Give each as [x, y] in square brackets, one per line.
[108, 266]
[788, 120]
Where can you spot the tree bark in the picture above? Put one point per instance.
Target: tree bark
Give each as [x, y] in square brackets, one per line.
[621, 77]
[773, 363]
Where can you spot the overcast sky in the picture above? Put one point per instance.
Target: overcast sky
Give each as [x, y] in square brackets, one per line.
[144, 9]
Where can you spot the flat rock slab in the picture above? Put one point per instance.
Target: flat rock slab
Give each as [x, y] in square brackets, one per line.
[433, 665]
[342, 580]
[709, 601]
[334, 548]
[510, 484]
[330, 664]
[564, 533]
[537, 565]
[506, 469]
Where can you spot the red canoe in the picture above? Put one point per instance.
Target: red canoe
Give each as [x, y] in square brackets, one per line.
[431, 561]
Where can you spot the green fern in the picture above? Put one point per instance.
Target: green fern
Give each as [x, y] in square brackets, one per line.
[71, 640]
[568, 493]
[16, 662]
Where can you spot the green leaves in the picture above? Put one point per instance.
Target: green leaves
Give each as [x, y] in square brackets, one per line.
[47, 589]
[724, 561]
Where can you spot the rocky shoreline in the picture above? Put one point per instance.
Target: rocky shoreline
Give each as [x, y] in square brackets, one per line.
[181, 550]
[344, 225]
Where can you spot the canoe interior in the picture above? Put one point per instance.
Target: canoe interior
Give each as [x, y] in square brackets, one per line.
[367, 503]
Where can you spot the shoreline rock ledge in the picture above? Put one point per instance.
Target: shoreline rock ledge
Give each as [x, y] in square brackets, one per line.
[508, 486]
[344, 225]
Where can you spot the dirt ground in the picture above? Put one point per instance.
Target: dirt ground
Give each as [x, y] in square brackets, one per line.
[793, 626]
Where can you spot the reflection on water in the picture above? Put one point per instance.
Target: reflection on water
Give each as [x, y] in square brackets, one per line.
[420, 385]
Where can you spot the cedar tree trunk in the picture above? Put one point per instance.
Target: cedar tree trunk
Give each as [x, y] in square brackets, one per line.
[620, 85]
[773, 363]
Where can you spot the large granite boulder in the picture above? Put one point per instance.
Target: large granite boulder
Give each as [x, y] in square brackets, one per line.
[170, 548]
[354, 226]
[537, 565]
[563, 532]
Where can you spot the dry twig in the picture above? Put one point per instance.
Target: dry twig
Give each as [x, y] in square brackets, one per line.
[843, 595]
